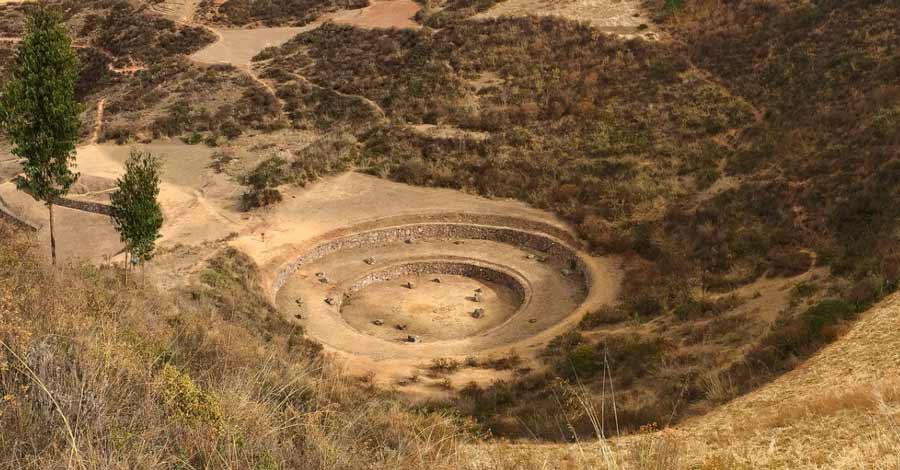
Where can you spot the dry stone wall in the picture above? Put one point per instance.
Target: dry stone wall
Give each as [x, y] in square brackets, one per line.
[551, 247]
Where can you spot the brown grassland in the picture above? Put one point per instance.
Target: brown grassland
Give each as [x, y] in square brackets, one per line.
[747, 169]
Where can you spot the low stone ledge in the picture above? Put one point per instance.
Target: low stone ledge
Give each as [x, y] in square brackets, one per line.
[445, 231]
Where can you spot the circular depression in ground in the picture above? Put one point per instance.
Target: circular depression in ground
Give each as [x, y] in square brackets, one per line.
[438, 300]
[411, 291]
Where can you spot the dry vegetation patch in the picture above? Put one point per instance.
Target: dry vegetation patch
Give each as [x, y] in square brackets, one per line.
[247, 13]
[182, 379]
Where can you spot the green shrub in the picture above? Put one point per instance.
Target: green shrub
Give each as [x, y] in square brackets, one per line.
[256, 198]
[185, 400]
[645, 304]
[828, 312]
[805, 289]
[193, 138]
[603, 316]
[581, 361]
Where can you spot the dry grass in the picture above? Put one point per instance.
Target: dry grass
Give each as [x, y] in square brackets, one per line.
[96, 375]
[859, 399]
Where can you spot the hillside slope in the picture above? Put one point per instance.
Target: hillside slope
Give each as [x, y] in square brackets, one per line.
[840, 409]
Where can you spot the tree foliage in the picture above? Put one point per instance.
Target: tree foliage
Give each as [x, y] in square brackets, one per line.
[136, 213]
[39, 110]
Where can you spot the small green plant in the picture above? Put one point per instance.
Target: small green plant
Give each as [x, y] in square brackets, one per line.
[185, 400]
[805, 289]
[444, 364]
[602, 316]
[193, 138]
[670, 7]
[583, 361]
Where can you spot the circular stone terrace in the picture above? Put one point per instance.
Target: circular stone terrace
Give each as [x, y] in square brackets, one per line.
[438, 286]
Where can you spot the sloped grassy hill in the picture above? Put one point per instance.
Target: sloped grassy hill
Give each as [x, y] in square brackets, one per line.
[746, 169]
[96, 374]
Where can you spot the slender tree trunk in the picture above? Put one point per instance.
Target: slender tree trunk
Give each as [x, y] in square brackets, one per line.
[52, 235]
[126, 264]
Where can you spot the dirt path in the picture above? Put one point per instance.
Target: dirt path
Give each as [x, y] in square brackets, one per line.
[372, 104]
[98, 125]
[238, 46]
[381, 14]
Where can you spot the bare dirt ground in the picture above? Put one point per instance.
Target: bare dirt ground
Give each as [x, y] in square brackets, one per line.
[381, 14]
[238, 46]
[622, 17]
[438, 315]
[437, 310]
[186, 183]
[202, 216]
[99, 124]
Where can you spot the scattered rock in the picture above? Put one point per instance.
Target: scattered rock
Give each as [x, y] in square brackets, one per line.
[378, 322]
[412, 339]
[477, 297]
[298, 316]
[566, 272]
[323, 280]
[530, 256]
[400, 327]
[299, 302]
[409, 285]
[478, 313]
[478, 290]
[369, 261]
[329, 300]
[532, 320]
[458, 242]
[436, 280]
[320, 274]
[408, 241]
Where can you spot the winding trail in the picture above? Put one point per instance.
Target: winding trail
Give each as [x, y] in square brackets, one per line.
[237, 47]
[99, 122]
[184, 15]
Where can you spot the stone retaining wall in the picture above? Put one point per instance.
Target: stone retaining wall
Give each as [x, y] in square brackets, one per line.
[21, 224]
[445, 231]
[455, 268]
[86, 206]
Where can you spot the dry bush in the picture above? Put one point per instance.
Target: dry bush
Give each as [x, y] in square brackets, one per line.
[271, 12]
